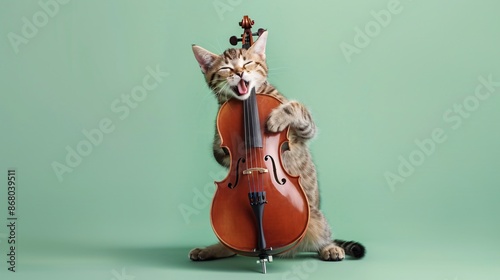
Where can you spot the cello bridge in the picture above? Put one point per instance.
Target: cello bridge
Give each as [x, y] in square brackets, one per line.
[256, 169]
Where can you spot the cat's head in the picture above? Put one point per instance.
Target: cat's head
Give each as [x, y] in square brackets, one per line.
[236, 71]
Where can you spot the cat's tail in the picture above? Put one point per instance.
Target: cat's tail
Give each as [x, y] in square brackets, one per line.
[351, 248]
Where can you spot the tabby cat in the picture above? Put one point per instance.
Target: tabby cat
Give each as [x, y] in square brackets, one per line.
[232, 75]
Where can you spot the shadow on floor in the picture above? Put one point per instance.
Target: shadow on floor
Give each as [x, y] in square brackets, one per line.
[160, 257]
[177, 258]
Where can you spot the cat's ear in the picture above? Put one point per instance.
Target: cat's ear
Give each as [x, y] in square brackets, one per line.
[259, 47]
[204, 58]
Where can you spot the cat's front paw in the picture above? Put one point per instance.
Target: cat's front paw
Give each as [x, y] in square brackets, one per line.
[215, 251]
[200, 254]
[332, 252]
[280, 118]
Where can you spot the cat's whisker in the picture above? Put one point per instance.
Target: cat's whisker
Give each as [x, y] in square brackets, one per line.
[206, 98]
[277, 71]
[215, 47]
[277, 68]
[221, 50]
[274, 75]
[219, 79]
[221, 90]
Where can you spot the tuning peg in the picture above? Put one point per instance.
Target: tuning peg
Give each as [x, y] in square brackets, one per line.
[259, 32]
[234, 40]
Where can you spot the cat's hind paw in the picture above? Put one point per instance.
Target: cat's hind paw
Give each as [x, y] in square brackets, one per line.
[332, 252]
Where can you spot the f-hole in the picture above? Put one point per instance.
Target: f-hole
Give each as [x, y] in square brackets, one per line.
[283, 180]
[230, 185]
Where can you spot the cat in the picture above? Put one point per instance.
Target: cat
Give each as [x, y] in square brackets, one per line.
[231, 75]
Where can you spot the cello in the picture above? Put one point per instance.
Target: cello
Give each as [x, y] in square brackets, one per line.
[258, 210]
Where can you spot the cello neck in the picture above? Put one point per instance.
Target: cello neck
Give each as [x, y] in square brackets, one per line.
[253, 138]
[253, 134]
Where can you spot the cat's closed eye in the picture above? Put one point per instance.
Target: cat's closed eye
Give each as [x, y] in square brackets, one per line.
[226, 69]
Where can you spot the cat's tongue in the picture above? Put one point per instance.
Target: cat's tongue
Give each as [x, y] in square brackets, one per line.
[242, 87]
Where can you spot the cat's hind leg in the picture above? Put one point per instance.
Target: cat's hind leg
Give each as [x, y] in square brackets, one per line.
[211, 252]
[318, 239]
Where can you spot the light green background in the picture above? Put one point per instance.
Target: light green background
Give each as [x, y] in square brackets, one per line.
[119, 208]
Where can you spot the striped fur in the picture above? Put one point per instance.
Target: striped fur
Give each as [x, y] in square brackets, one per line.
[222, 73]
[351, 248]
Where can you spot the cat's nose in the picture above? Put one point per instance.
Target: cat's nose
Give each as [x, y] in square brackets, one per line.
[240, 74]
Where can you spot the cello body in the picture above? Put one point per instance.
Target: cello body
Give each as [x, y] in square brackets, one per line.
[256, 176]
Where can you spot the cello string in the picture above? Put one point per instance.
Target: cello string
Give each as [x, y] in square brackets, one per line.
[253, 142]
[258, 151]
[246, 143]
[255, 123]
[253, 117]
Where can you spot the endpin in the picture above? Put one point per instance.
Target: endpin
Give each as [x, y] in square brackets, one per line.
[263, 262]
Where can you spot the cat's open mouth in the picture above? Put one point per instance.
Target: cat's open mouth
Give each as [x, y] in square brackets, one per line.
[241, 88]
